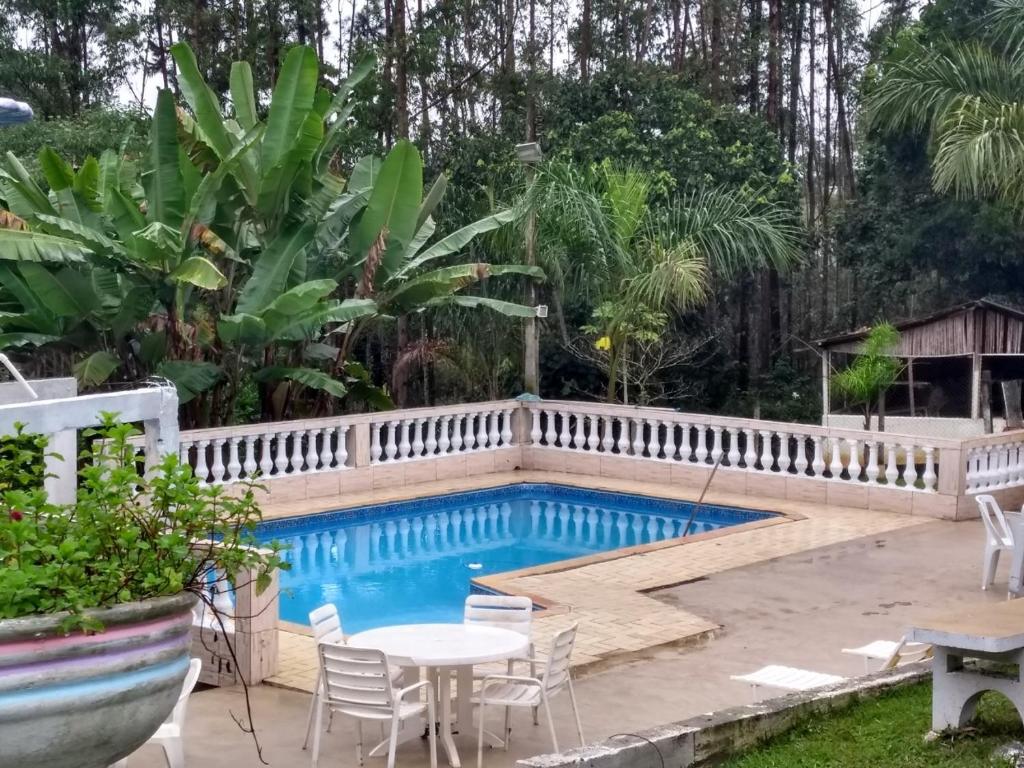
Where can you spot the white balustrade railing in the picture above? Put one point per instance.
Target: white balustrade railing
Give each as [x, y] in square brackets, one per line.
[994, 463]
[797, 450]
[883, 459]
[425, 433]
[266, 451]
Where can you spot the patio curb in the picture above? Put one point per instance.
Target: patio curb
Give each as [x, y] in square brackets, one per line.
[709, 739]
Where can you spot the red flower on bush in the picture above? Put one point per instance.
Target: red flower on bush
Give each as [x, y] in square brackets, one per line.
[16, 516]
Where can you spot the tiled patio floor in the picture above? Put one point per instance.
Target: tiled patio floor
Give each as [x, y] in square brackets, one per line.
[617, 620]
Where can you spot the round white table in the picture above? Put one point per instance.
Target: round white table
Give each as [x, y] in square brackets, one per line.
[442, 649]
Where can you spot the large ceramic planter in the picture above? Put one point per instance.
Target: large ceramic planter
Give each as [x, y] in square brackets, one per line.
[87, 700]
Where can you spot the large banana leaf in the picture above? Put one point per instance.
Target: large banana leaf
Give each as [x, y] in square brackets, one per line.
[96, 241]
[204, 103]
[87, 184]
[240, 85]
[393, 206]
[165, 192]
[95, 369]
[340, 110]
[290, 105]
[301, 297]
[457, 277]
[37, 246]
[200, 272]
[307, 377]
[65, 294]
[457, 240]
[432, 200]
[57, 172]
[276, 185]
[13, 339]
[242, 330]
[507, 308]
[190, 378]
[309, 324]
[270, 274]
[23, 195]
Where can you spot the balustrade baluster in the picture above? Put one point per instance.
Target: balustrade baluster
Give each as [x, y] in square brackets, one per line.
[871, 470]
[818, 462]
[417, 440]
[457, 432]
[575, 429]
[608, 438]
[202, 471]
[493, 435]
[622, 441]
[375, 447]
[535, 431]
[481, 432]
[854, 466]
[391, 447]
[670, 440]
[249, 465]
[1003, 478]
[733, 456]
[281, 460]
[929, 477]
[297, 460]
[431, 443]
[654, 445]
[444, 441]
[716, 445]
[469, 436]
[892, 472]
[234, 465]
[326, 454]
[266, 454]
[767, 459]
[563, 427]
[506, 427]
[702, 443]
[836, 464]
[801, 455]
[910, 473]
[750, 452]
[217, 468]
[685, 444]
[784, 459]
[341, 448]
[312, 455]
[404, 446]
[183, 449]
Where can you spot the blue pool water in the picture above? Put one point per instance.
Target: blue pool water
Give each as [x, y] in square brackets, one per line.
[412, 561]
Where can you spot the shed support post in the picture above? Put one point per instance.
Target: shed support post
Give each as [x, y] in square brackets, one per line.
[975, 386]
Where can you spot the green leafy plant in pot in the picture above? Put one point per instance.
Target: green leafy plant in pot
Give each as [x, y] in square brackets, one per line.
[97, 597]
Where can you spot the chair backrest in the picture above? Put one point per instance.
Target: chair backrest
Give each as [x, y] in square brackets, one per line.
[356, 677]
[994, 521]
[326, 625]
[906, 652]
[177, 717]
[513, 612]
[556, 672]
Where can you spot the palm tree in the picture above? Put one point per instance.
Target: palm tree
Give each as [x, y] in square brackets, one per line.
[601, 233]
[970, 99]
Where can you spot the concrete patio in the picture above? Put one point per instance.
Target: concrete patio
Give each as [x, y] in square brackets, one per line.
[798, 609]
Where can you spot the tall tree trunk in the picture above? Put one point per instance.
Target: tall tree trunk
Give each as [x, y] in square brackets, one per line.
[716, 50]
[510, 38]
[586, 40]
[833, 32]
[754, 63]
[401, 70]
[796, 45]
[774, 100]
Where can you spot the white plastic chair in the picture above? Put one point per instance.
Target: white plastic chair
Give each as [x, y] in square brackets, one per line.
[326, 624]
[786, 678]
[519, 691]
[892, 653]
[998, 537]
[357, 682]
[168, 735]
[513, 612]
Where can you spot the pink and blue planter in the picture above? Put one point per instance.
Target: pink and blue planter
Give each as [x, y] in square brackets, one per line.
[86, 700]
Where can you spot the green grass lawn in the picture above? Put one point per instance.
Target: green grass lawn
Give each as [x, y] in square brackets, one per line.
[888, 733]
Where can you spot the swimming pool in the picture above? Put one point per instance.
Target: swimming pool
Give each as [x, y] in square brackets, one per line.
[412, 561]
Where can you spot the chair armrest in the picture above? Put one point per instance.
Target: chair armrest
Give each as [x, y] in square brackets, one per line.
[415, 687]
[512, 679]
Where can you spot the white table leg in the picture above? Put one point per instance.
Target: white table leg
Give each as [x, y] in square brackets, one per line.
[444, 689]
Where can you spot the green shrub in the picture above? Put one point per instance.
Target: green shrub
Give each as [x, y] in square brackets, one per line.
[21, 461]
[125, 538]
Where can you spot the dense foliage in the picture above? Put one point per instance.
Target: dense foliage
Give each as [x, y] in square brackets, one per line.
[126, 538]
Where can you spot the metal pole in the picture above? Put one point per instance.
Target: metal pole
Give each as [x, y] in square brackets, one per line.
[531, 341]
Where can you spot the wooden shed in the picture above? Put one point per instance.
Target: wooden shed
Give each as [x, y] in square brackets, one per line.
[961, 343]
